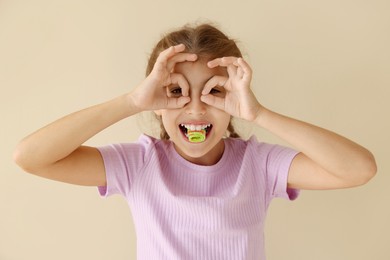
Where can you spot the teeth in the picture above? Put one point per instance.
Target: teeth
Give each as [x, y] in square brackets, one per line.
[195, 127]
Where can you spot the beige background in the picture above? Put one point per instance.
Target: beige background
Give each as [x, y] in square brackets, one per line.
[326, 62]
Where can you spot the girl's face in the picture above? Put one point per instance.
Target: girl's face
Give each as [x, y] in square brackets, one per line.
[197, 114]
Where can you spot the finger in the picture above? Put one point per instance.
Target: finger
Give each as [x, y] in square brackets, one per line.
[214, 81]
[173, 103]
[223, 62]
[240, 72]
[214, 101]
[232, 70]
[169, 52]
[180, 57]
[181, 81]
[247, 71]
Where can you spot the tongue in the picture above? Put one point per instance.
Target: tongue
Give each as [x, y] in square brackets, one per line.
[196, 136]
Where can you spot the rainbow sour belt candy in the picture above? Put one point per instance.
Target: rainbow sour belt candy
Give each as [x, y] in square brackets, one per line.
[196, 136]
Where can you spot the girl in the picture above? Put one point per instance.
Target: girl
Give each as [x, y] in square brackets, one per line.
[200, 192]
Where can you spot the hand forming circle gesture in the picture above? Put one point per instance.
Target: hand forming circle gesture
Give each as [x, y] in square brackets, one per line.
[153, 93]
[239, 100]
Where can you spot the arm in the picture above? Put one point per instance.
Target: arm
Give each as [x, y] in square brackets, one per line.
[326, 159]
[56, 151]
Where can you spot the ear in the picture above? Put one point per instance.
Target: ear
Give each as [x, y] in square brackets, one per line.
[158, 112]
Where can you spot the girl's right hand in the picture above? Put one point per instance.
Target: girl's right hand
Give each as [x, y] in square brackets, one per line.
[154, 92]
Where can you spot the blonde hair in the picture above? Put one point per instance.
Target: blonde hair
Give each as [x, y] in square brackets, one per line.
[204, 40]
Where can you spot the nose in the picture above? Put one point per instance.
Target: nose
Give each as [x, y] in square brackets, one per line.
[195, 106]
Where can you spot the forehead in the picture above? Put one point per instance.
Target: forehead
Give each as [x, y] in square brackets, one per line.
[198, 70]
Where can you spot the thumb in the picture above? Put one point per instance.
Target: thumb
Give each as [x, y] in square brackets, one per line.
[214, 101]
[173, 103]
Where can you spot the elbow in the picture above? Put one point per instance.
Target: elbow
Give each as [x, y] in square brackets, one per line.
[371, 168]
[21, 159]
[18, 159]
[367, 170]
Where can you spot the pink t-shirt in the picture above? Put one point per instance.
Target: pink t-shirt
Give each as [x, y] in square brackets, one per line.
[186, 211]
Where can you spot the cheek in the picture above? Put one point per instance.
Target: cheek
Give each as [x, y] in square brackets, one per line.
[223, 120]
[168, 119]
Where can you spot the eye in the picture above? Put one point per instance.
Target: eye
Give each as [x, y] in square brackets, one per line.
[220, 92]
[214, 91]
[176, 91]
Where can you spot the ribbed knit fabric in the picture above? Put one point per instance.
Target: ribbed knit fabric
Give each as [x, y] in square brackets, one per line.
[186, 211]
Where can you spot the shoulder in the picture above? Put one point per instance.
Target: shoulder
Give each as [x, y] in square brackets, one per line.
[255, 149]
[251, 143]
[144, 142]
[146, 146]
[151, 143]
[154, 148]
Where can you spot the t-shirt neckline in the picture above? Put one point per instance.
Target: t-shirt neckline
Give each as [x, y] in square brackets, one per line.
[202, 168]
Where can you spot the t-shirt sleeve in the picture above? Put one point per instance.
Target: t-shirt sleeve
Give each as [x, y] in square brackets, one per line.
[277, 165]
[274, 162]
[122, 163]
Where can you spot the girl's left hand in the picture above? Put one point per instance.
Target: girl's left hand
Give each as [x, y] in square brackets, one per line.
[239, 100]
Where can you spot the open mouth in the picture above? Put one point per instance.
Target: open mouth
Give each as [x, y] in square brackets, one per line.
[187, 129]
